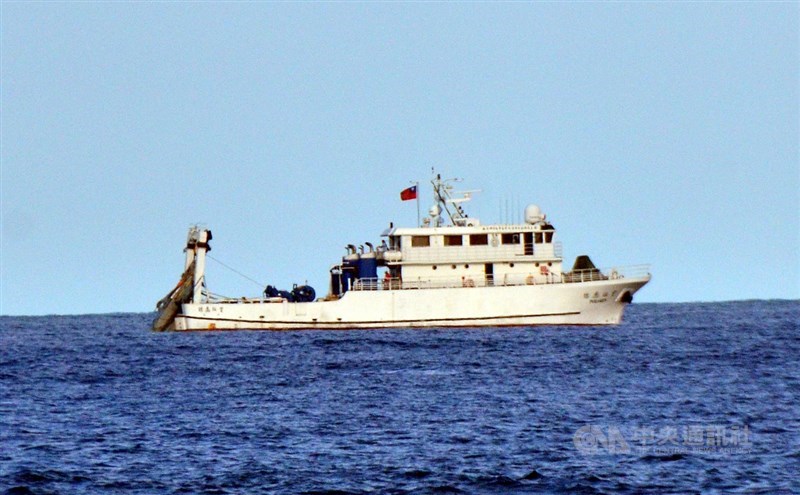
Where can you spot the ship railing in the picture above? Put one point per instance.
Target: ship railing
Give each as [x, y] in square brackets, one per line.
[506, 280]
[419, 283]
[587, 275]
[209, 297]
[614, 273]
[465, 281]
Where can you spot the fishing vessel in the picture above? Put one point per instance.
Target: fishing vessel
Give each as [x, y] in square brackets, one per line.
[448, 271]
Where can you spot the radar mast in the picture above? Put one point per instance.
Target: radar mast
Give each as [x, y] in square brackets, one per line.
[445, 199]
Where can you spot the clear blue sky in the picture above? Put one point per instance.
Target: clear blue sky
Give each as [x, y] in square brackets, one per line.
[662, 133]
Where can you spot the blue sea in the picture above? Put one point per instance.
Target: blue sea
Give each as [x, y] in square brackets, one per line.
[680, 398]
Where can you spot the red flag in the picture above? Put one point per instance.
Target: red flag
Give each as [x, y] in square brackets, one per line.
[410, 193]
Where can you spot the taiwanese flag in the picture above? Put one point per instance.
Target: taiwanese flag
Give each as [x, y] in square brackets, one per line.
[410, 193]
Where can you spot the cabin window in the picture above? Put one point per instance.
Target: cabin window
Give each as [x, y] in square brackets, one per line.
[453, 240]
[548, 236]
[420, 241]
[510, 238]
[539, 237]
[479, 240]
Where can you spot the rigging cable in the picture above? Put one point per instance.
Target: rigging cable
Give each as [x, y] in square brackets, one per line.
[259, 284]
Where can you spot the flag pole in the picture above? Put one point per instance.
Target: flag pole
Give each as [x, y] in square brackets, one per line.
[416, 184]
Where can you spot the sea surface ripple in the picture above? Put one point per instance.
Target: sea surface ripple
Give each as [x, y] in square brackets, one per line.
[680, 398]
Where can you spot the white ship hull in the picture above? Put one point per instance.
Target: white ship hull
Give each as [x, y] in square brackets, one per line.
[583, 303]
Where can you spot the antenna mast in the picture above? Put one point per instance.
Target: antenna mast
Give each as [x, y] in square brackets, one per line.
[443, 195]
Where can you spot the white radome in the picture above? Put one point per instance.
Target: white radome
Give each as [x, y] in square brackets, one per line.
[533, 214]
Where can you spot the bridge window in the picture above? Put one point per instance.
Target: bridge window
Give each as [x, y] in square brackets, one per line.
[420, 241]
[510, 238]
[479, 240]
[544, 236]
[453, 240]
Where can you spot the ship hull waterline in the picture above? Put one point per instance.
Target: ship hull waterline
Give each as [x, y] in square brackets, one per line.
[582, 303]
